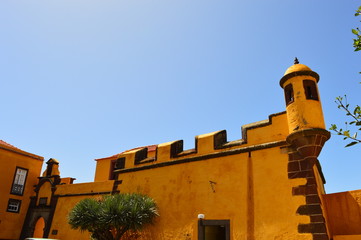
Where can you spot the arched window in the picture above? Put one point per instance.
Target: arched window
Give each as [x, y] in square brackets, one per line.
[310, 89]
[289, 94]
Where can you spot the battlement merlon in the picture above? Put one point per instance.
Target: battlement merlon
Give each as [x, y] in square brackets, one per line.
[261, 133]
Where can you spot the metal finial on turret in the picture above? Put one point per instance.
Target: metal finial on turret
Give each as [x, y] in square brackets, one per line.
[296, 61]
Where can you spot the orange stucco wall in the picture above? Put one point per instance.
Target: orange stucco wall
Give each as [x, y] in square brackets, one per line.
[45, 192]
[230, 187]
[102, 170]
[237, 187]
[344, 212]
[9, 160]
[68, 195]
[104, 166]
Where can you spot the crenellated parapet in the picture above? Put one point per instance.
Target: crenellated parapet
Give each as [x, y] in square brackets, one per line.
[258, 135]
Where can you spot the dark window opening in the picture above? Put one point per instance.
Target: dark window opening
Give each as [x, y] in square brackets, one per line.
[14, 205]
[310, 89]
[111, 170]
[120, 163]
[43, 201]
[213, 230]
[289, 97]
[19, 181]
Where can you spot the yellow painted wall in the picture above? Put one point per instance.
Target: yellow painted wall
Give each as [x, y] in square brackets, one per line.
[183, 191]
[251, 189]
[277, 131]
[9, 160]
[322, 193]
[102, 169]
[103, 165]
[45, 192]
[66, 203]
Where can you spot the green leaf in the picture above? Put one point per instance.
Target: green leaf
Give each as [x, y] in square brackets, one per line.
[354, 31]
[351, 144]
[333, 127]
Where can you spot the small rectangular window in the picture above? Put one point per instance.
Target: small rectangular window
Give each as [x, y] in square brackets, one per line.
[111, 170]
[14, 205]
[310, 89]
[120, 163]
[19, 181]
[289, 94]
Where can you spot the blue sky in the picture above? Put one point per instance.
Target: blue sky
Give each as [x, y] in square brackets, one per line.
[85, 79]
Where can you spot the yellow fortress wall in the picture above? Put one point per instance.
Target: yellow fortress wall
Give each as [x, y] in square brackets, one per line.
[266, 185]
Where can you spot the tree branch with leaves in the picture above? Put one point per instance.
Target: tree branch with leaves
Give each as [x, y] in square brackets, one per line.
[355, 113]
[356, 32]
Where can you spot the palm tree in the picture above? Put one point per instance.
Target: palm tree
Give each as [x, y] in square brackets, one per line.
[110, 217]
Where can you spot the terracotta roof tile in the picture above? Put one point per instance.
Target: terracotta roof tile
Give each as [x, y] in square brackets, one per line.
[9, 147]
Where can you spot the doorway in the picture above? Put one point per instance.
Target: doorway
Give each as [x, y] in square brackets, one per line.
[213, 229]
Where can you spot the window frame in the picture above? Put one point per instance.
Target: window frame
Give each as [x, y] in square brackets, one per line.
[202, 223]
[12, 200]
[310, 89]
[289, 94]
[13, 186]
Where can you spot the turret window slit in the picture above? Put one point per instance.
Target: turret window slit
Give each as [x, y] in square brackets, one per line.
[289, 97]
[310, 89]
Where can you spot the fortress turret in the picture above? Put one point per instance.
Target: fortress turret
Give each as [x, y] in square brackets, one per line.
[304, 110]
[307, 135]
[306, 124]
